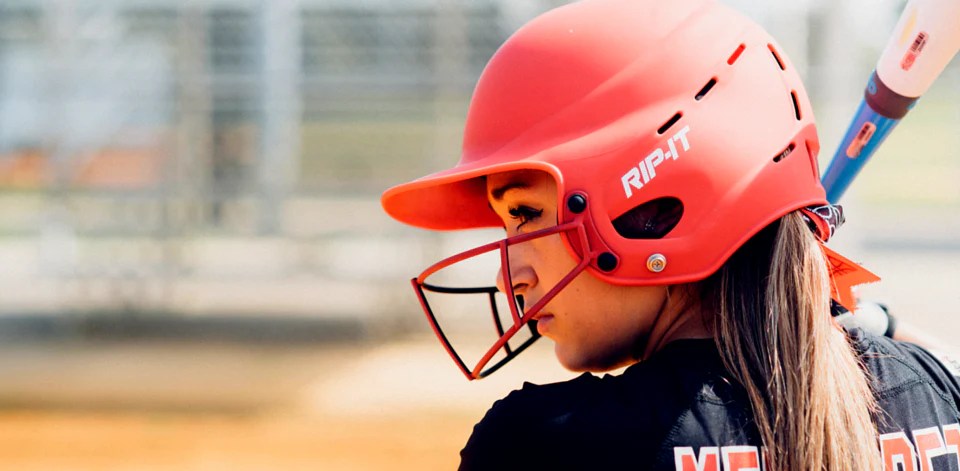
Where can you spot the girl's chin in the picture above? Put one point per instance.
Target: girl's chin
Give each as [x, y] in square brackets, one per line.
[570, 360]
[579, 363]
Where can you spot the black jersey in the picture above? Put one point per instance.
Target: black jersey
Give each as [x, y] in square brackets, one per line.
[678, 410]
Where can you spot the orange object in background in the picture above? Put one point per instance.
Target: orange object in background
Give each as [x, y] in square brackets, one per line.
[22, 170]
[128, 169]
[115, 169]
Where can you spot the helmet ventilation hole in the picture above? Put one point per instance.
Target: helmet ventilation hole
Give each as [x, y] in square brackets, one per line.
[651, 220]
[776, 57]
[785, 152]
[669, 123]
[736, 54]
[796, 104]
[813, 159]
[706, 89]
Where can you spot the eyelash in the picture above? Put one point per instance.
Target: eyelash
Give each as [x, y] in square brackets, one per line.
[524, 214]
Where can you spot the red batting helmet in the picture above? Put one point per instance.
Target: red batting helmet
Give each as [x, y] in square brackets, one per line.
[685, 105]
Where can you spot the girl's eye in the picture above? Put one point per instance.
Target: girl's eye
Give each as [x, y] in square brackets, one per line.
[524, 214]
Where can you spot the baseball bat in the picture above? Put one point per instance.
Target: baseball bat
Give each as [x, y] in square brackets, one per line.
[926, 38]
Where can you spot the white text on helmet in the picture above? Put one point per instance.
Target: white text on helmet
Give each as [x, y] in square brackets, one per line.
[646, 168]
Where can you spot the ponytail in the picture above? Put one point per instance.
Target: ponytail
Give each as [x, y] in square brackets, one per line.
[810, 397]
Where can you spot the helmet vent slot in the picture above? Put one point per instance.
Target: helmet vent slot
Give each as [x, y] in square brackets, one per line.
[796, 104]
[736, 54]
[813, 159]
[669, 123]
[706, 89]
[776, 57]
[786, 152]
[651, 220]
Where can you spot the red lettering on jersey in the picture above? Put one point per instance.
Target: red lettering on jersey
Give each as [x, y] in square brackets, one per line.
[951, 438]
[741, 458]
[929, 444]
[897, 452]
[685, 460]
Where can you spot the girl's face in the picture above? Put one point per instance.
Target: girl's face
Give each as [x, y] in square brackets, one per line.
[596, 326]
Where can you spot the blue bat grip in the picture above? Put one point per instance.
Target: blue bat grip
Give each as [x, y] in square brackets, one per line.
[865, 134]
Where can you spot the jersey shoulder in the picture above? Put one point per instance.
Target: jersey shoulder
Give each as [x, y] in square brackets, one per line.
[520, 419]
[907, 379]
[621, 419]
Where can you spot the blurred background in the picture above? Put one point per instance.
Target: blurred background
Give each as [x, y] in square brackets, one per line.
[195, 272]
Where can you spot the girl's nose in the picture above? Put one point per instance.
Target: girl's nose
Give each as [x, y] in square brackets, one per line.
[522, 279]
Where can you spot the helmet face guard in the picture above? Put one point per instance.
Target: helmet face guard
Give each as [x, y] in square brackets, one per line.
[519, 316]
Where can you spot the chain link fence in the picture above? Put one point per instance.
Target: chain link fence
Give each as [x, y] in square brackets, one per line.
[169, 158]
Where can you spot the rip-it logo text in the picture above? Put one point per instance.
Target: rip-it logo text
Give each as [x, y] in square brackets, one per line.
[646, 169]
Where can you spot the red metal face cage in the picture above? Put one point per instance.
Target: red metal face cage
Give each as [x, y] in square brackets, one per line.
[521, 317]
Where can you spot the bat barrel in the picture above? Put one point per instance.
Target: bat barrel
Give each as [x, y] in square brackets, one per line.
[925, 39]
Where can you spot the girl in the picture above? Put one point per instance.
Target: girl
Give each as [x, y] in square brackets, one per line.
[654, 166]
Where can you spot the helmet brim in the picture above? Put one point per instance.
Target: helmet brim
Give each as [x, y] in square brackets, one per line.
[455, 198]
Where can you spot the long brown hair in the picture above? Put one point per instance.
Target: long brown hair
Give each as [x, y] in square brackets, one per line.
[810, 397]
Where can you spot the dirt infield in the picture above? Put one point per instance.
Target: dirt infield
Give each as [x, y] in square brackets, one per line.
[80, 441]
[399, 405]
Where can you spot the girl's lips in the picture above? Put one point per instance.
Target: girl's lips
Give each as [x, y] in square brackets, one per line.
[543, 323]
